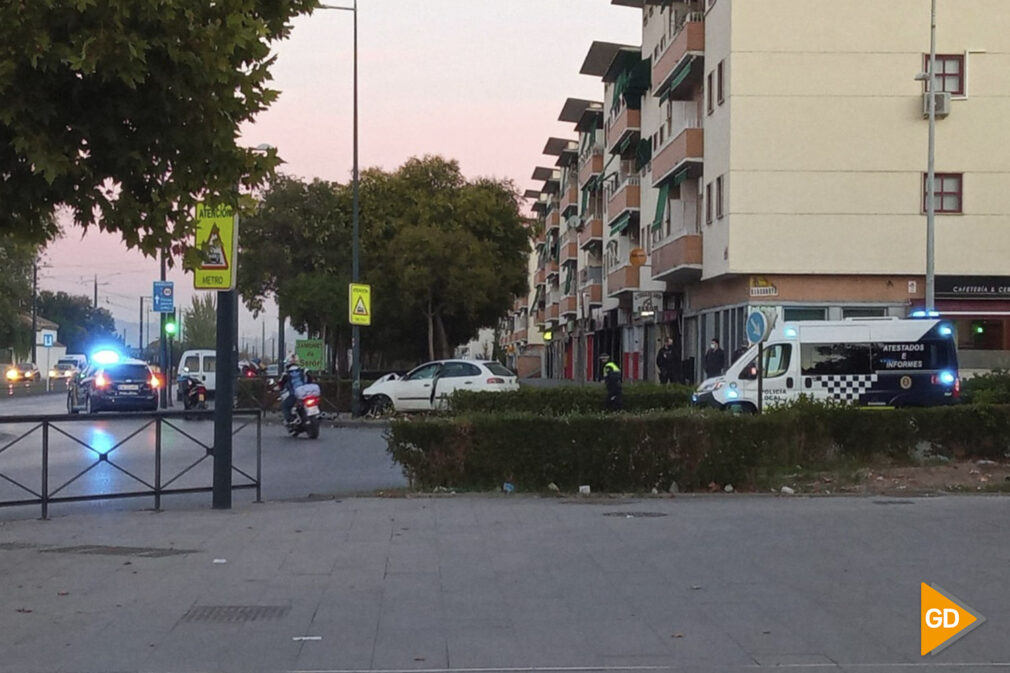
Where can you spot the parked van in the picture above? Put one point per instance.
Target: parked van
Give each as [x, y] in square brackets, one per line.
[865, 362]
[201, 363]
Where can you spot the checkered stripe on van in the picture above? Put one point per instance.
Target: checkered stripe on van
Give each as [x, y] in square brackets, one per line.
[846, 387]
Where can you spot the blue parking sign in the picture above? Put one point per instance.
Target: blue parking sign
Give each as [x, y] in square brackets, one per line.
[47, 340]
[164, 296]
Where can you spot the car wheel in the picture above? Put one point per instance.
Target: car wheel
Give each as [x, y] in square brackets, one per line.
[380, 406]
[740, 409]
[70, 405]
[89, 407]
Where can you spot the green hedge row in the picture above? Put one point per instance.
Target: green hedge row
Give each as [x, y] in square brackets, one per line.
[570, 399]
[639, 452]
[335, 394]
[991, 388]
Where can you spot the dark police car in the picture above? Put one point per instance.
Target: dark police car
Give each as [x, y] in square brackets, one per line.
[113, 383]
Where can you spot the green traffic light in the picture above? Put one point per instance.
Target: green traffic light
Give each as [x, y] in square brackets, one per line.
[979, 329]
[170, 328]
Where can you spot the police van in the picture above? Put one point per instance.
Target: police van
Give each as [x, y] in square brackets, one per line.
[865, 362]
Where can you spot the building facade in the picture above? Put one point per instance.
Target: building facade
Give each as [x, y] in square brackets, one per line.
[772, 155]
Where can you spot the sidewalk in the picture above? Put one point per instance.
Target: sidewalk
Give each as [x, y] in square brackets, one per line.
[707, 583]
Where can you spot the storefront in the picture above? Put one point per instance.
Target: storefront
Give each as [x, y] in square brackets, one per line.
[979, 308]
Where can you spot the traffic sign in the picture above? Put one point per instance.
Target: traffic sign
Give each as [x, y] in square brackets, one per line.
[47, 340]
[758, 327]
[311, 354]
[217, 243]
[164, 296]
[360, 304]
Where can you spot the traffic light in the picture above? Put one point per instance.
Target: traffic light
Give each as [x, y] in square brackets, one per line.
[171, 327]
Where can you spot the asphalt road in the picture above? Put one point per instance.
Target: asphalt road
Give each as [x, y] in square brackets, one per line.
[342, 461]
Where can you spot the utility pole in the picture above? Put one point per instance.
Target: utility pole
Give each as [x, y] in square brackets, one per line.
[931, 170]
[280, 339]
[165, 362]
[95, 304]
[35, 308]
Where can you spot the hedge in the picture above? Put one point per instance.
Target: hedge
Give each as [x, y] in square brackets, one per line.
[570, 399]
[335, 394]
[991, 388]
[639, 452]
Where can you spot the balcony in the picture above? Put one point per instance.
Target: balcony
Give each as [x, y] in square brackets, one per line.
[569, 200]
[553, 220]
[552, 269]
[678, 68]
[626, 198]
[569, 306]
[678, 260]
[592, 232]
[624, 279]
[622, 129]
[592, 166]
[540, 277]
[591, 284]
[569, 251]
[686, 151]
[519, 335]
[553, 312]
[541, 318]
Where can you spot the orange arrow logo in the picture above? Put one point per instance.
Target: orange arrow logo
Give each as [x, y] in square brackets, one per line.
[943, 619]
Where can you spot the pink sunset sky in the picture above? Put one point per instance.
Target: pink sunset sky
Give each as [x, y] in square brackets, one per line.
[480, 81]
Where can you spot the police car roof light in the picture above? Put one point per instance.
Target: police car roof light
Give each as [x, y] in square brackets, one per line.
[105, 357]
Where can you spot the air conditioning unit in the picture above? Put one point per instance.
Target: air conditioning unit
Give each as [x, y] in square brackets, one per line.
[942, 104]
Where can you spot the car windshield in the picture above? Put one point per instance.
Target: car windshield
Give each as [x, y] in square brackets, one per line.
[127, 372]
[499, 369]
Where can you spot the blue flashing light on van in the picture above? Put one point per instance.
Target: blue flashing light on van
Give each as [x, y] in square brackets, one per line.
[922, 313]
[945, 330]
[105, 357]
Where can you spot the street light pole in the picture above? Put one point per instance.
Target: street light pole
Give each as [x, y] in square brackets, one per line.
[931, 169]
[355, 213]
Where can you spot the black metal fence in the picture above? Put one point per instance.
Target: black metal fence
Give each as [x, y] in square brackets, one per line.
[44, 428]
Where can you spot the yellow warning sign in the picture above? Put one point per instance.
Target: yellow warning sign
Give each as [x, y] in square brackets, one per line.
[217, 243]
[943, 619]
[360, 304]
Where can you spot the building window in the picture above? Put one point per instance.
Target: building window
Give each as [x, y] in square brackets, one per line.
[947, 194]
[718, 197]
[711, 95]
[802, 313]
[719, 82]
[708, 203]
[863, 312]
[949, 73]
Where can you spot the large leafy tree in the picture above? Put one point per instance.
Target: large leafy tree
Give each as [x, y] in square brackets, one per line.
[199, 322]
[16, 261]
[127, 111]
[81, 326]
[445, 257]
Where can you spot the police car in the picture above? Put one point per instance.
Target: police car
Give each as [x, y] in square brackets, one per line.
[113, 382]
[865, 362]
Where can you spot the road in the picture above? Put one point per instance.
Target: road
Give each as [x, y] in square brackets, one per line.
[342, 461]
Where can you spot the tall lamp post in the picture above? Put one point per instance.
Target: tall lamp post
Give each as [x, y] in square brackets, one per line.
[355, 270]
[930, 77]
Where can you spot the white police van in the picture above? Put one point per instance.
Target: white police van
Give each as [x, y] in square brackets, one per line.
[865, 362]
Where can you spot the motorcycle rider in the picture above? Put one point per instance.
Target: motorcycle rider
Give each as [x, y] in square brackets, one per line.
[294, 377]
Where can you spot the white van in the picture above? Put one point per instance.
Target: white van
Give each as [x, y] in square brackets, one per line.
[201, 363]
[865, 362]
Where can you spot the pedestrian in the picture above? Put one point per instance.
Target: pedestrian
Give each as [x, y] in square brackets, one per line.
[612, 380]
[667, 363]
[715, 359]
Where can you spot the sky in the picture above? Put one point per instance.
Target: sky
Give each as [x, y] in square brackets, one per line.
[480, 81]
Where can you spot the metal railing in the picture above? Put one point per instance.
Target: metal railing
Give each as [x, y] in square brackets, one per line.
[44, 426]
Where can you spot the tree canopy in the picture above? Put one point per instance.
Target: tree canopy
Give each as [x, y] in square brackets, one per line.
[199, 322]
[81, 326]
[16, 260]
[127, 111]
[444, 255]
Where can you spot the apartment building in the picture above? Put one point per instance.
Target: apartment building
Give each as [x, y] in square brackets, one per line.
[772, 154]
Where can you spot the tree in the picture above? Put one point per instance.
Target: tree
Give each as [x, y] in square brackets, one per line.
[16, 260]
[199, 322]
[81, 326]
[127, 111]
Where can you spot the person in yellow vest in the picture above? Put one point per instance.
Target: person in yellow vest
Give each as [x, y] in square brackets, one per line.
[612, 380]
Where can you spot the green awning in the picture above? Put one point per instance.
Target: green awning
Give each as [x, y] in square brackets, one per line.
[678, 76]
[624, 144]
[664, 195]
[680, 176]
[644, 153]
[620, 224]
[585, 200]
[568, 280]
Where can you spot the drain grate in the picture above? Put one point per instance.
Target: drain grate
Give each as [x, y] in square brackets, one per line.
[893, 502]
[635, 515]
[228, 614]
[107, 550]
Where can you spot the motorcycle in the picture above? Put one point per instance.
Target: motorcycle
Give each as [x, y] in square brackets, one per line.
[305, 415]
[194, 393]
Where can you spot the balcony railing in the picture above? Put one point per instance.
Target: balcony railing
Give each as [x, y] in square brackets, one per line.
[569, 199]
[625, 123]
[553, 312]
[569, 306]
[590, 275]
[627, 196]
[592, 232]
[688, 145]
[553, 220]
[540, 277]
[569, 251]
[688, 40]
[624, 279]
[593, 165]
[552, 268]
[678, 258]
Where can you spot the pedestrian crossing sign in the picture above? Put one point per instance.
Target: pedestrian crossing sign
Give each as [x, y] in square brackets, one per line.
[360, 304]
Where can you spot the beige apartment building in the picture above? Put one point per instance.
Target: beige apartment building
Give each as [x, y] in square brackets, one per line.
[772, 153]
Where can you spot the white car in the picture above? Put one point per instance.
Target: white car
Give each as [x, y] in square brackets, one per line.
[428, 386]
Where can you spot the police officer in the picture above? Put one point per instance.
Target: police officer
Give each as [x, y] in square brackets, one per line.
[612, 380]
